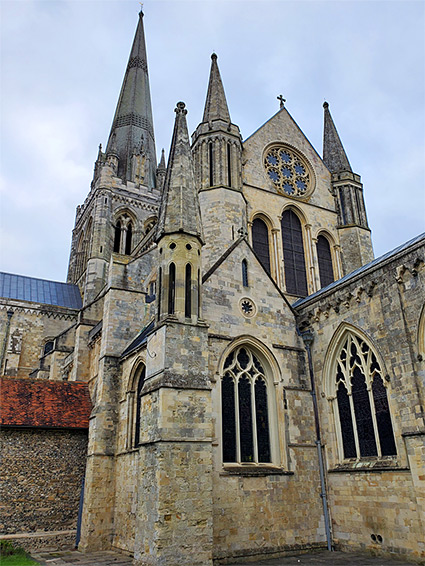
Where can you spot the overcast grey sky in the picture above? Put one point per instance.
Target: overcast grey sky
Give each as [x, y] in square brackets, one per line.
[62, 64]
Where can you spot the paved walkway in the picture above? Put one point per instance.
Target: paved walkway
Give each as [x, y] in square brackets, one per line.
[75, 558]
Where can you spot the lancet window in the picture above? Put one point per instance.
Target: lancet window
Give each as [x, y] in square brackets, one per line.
[364, 414]
[245, 400]
[123, 234]
[324, 257]
[260, 242]
[140, 378]
[293, 254]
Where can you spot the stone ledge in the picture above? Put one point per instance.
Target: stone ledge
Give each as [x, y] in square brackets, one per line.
[247, 470]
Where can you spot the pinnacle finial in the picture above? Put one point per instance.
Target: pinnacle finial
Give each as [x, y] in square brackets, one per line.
[325, 105]
[180, 108]
[214, 56]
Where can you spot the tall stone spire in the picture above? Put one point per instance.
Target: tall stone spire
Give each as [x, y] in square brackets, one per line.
[216, 103]
[132, 128]
[334, 154]
[180, 210]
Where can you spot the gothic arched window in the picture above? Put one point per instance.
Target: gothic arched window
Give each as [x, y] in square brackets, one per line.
[260, 242]
[171, 288]
[293, 254]
[123, 233]
[364, 415]
[140, 377]
[188, 291]
[245, 400]
[324, 258]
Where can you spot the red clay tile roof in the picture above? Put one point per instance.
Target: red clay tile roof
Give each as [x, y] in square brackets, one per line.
[44, 403]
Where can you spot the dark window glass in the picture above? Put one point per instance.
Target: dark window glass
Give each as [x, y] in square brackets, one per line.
[171, 288]
[140, 384]
[245, 420]
[48, 347]
[228, 420]
[211, 163]
[128, 237]
[383, 419]
[293, 254]
[262, 421]
[199, 292]
[117, 237]
[229, 165]
[346, 421]
[324, 258]
[363, 413]
[159, 291]
[244, 273]
[188, 292]
[260, 242]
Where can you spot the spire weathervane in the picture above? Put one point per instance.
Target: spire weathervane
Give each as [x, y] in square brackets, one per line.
[282, 100]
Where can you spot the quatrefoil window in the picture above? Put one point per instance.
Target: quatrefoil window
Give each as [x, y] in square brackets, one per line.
[289, 173]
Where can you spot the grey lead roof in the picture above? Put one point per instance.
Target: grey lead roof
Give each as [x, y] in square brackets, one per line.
[42, 291]
[360, 270]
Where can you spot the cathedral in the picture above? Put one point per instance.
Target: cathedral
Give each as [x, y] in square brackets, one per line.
[228, 372]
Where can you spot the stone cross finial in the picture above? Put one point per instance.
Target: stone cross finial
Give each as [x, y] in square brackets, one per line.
[282, 100]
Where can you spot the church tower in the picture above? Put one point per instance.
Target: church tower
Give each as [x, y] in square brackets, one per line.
[217, 153]
[178, 388]
[354, 232]
[122, 206]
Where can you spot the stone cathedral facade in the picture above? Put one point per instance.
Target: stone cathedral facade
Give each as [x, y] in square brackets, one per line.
[256, 376]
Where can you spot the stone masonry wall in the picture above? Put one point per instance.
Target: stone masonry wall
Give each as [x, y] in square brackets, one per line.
[42, 472]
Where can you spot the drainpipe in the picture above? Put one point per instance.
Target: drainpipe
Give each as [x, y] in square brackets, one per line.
[5, 339]
[308, 338]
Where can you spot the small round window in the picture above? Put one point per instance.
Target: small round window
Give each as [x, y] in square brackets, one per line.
[289, 173]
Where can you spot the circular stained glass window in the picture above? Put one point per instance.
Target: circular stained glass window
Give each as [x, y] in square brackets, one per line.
[288, 171]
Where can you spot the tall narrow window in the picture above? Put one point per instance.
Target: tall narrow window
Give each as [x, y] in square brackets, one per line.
[188, 292]
[260, 242]
[128, 238]
[140, 383]
[229, 165]
[293, 254]
[117, 237]
[211, 163]
[244, 273]
[199, 293]
[364, 415]
[245, 412]
[324, 258]
[159, 291]
[171, 288]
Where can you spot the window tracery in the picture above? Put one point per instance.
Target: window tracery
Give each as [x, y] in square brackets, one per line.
[364, 415]
[245, 409]
[288, 171]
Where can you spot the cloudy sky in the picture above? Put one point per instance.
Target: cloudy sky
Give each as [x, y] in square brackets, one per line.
[62, 64]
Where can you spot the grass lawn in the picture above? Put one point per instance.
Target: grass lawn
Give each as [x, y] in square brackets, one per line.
[17, 560]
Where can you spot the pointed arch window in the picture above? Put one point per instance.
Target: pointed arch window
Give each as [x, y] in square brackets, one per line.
[245, 399]
[260, 242]
[244, 273]
[293, 254]
[171, 288]
[123, 235]
[137, 421]
[363, 409]
[188, 291]
[324, 258]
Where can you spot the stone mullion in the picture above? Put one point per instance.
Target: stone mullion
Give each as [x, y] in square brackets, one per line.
[337, 255]
[238, 431]
[254, 420]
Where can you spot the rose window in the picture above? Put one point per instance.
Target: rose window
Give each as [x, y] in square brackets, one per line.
[288, 172]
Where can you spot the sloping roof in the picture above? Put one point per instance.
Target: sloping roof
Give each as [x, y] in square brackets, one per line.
[384, 258]
[44, 403]
[139, 340]
[42, 291]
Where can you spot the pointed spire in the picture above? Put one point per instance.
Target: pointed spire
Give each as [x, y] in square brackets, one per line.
[180, 210]
[334, 154]
[216, 103]
[161, 164]
[133, 121]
